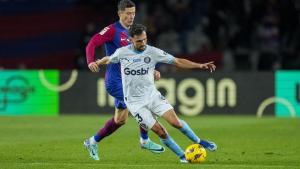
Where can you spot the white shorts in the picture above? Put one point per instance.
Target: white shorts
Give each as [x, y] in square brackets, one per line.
[145, 114]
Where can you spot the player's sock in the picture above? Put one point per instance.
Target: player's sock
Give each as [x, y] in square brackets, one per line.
[169, 142]
[143, 136]
[92, 140]
[186, 130]
[109, 127]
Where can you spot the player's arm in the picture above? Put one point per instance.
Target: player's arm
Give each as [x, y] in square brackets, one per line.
[103, 61]
[97, 40]
[114, 58]
[163, 57]
[186, 64]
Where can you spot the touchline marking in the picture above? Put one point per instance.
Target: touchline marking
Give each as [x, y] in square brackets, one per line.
[151, 165]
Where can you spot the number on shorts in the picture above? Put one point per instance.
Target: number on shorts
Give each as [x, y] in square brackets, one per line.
[138, 118]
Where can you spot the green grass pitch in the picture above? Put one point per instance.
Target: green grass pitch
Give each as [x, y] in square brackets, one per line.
[56, 142]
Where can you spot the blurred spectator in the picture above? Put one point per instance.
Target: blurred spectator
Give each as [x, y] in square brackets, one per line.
[268, 36]
[169, 41]
[241, 34]
[86, 36]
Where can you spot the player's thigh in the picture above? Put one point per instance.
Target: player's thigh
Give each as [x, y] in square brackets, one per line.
[144, 117]
[162, 107]
[159, 105]
[116, 91]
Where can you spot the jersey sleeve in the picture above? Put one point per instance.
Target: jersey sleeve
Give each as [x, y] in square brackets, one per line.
[162, 56]
[114, 58]
[106, 35]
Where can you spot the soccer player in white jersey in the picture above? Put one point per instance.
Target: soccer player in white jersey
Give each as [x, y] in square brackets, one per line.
[138, 61]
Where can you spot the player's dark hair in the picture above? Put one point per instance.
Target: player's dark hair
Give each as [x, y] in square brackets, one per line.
[123, 4]
[137, 29]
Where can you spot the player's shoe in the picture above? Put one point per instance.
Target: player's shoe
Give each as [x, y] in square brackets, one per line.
[208, 145]
[183, 160]
[92, 148]
[153, 147]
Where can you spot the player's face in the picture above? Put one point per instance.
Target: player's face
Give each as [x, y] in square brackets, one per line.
[127, 16]
[139, 41]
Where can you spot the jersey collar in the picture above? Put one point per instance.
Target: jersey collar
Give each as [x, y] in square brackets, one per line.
[136, 51]
[121, 26]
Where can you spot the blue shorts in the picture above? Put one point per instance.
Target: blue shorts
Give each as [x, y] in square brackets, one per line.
[116, 91]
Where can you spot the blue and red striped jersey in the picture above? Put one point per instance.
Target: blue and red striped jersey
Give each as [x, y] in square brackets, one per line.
[112, 37]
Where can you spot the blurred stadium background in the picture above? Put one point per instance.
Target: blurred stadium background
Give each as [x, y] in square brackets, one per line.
[254, 43]
[239, 35]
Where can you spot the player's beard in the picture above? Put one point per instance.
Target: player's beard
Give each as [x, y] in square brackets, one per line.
[141, 48]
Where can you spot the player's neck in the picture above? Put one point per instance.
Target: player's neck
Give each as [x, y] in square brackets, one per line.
[137, 50]
[123, 25]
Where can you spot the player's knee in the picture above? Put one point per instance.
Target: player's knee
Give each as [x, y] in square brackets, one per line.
[120, 121]
[177, 124]
[121, 117]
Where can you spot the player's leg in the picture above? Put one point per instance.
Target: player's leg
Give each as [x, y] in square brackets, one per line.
[116, 90]
[145, 118]
[161, 107]
[167, 140]
[148, 145]
[171, 117]
[119, 119]
[145, 142]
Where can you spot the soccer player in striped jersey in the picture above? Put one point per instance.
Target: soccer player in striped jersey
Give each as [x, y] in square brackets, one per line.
[113, 37]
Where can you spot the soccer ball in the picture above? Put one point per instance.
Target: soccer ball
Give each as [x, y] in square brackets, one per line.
[195, 153]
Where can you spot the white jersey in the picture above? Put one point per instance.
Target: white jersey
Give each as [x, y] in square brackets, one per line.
[137, 70]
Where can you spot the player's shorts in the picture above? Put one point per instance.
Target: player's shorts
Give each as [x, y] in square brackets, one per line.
[116, 91]
[145, 114]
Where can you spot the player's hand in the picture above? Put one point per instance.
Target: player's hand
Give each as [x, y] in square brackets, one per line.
[94, 67]
[156, 75]
[210, 65]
